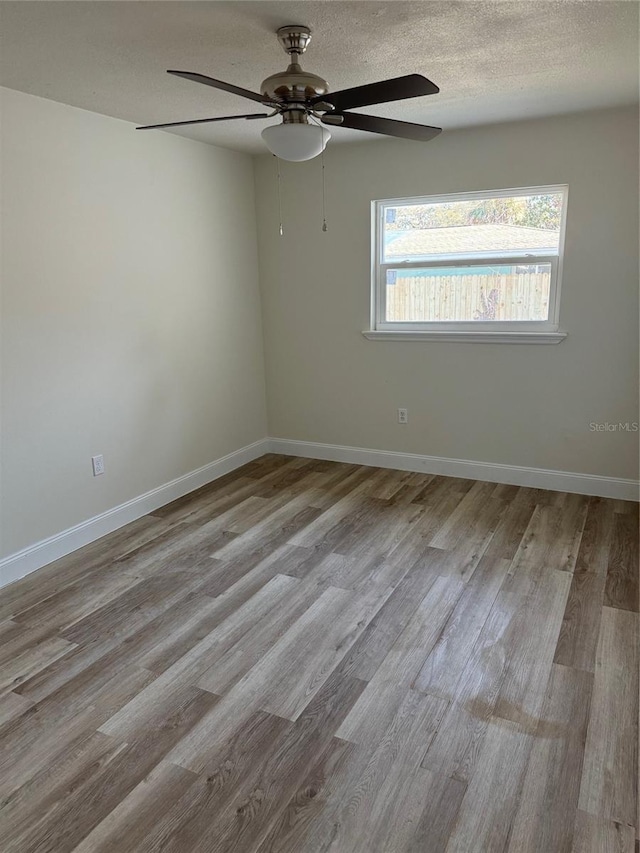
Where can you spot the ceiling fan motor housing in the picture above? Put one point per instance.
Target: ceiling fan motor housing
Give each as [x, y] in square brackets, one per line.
[294, 84]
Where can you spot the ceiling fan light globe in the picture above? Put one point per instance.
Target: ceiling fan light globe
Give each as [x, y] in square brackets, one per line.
[295, 142]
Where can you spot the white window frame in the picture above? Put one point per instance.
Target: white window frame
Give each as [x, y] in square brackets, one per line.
[513, 331]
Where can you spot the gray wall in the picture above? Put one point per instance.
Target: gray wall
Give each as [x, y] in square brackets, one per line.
[130, 312]
[511, 404]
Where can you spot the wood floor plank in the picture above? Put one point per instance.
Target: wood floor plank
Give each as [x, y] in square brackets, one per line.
[297, 476]
[143, 601]
[505, 491]
[238, 762]
[171, 635]
[248, 781]
[207, 496]
[334, 524]
[539, 497]
[403, 487]
[211, 503]
[377, 532]
[237, 559]
[338, 510]
[138, 814]
[597, 835]
[491, 799]
[184, 547]
[71, 604]
[468, 530]
[62, 822]
[19, 637]
[366, 655]
[354, 572]
[386, 690]
[240, 622]
[364, 799]
[362, 525]
[623, 570]
[414, 545]
[549, 798]
[438, 488]
[343, 480]
[111, 630]
[401, 518]
[32, 661]
[593, 554]
[627, 507]
[439, 499]
[552, 539]
[266, 514]
[580, 627]
[189, 668]
[79, 566]
[440, 811]
[48, 730]
[527, 673]
[11, 706]
[237, 581]
[336, 569]
[271, 463]
[234, 709]
[456, 747]
[234, 660]
[441, 670]
[510, 530]
[385, 805]
[301, 824]
[308, 656]
[155, 641]
[609, 783]
[278, 680]
[23, 807]
[295, 668]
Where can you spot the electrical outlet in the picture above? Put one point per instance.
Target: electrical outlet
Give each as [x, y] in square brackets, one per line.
[97, 463]
[403, 416]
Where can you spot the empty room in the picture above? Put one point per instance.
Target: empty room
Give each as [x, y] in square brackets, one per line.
[319, 421]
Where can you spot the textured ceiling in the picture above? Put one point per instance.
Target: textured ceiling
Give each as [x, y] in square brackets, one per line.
[493, 61]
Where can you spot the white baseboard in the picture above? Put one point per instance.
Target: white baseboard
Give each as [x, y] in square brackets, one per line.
[17, 565]
[539, 478]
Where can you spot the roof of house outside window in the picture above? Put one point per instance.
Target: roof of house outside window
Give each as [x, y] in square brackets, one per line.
[468, 239]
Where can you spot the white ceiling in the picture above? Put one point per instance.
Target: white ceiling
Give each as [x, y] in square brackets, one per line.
[493, 61]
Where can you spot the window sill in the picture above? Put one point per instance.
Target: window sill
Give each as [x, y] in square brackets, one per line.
[468, 337]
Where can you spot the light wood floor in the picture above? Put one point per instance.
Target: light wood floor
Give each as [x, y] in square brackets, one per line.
[309, 656]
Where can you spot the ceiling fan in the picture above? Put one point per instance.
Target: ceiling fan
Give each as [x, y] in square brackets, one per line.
[306, 105]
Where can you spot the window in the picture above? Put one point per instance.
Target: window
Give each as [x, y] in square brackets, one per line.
[470, 266]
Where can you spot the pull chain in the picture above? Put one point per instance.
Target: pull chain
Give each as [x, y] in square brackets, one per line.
[280, 229]
[324, 217]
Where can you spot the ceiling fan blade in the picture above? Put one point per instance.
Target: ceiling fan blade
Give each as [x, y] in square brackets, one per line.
[219, 84]
[201, 121]
[396, 89]
[388, 126]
